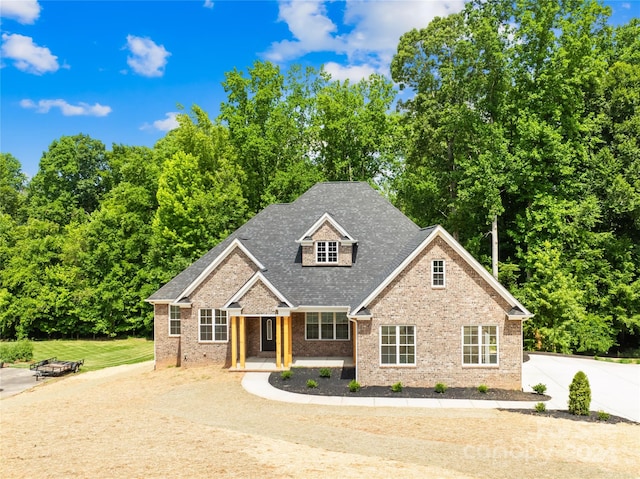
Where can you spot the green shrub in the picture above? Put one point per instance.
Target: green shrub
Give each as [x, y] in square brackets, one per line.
[311, 383]
[325, 372]
[579, 395]
[483, 388]
[603, 416]
[354, 386]
[441, 388]
[539, 388]
[286, 375]
[397, 387]
[540, 407]
[10, 352]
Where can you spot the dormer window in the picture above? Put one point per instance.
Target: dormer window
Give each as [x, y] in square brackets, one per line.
[326, 252]
[327, 243]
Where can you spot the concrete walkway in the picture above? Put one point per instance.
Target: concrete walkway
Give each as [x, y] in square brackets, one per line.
[615, 388]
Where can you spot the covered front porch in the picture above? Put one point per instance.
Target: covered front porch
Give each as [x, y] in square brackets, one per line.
[277, 343]
[258, 364]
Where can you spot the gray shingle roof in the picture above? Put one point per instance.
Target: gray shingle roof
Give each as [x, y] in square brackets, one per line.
[384, 235]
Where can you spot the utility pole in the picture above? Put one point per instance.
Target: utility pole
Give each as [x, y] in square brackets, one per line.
[494, 246]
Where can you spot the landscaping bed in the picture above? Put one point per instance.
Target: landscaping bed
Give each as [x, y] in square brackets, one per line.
[594, 416]
[338, 385]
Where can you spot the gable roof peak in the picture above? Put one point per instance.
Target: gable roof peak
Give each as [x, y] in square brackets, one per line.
[326, 218]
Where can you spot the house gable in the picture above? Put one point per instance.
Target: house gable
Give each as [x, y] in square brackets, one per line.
[235, 244]
[520, 313]
[257, 297]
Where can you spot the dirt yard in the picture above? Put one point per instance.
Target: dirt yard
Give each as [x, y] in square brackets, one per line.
[131, 421]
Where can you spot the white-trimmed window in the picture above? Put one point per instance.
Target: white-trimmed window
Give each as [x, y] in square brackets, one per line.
[397, 345]
[479, 345]
[326, 252]
[327, 326]
[174, 320]
[213, 325]
[437, 273]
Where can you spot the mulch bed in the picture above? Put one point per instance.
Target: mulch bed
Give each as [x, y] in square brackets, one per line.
[562, 414]
[338, 385]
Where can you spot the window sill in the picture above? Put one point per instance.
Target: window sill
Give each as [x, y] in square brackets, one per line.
[212, 342]
[326, 340]
[394, 366]
[476, 366]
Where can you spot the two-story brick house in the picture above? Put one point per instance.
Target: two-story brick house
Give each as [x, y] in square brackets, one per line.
[342, 272]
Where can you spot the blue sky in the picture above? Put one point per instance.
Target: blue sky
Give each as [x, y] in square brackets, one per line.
[116, 70]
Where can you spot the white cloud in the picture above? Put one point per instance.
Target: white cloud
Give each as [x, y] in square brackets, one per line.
[168, 124]
[626, 5]
[310, 26]
[378, 25]
[147, 58]
[371, 29]
[208, 4]
[24, 11]
[353, 73]
[81, 109]
[27, 56]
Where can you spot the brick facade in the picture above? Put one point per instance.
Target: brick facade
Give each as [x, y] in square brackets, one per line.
[234, 271]
[438, 315]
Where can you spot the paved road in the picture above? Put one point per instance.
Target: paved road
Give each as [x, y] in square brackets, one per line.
[16, 380]
[615, 388]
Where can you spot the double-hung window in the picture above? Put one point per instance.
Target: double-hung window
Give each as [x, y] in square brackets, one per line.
[480, 345]
[437, 273]
[213, 325]
[397, 345]
[327, 326]
[327, 252]
[174, 320]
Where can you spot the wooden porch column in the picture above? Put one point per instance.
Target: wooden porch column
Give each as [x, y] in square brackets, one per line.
[286, 341]
[290, 355]
[278, 341]
[243, 340]
[354, 335]
[234, 342]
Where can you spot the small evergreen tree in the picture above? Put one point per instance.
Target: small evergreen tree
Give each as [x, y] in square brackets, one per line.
[579, 395]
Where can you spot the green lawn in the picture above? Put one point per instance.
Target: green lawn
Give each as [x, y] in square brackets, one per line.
[96, 354]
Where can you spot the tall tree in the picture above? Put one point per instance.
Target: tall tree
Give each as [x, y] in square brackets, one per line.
[70, 180]
[356, 133]
[269, 115]
[200, 195]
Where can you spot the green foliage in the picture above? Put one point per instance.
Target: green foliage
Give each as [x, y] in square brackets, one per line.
[325, 372]
[286, 374]
[579, 395]
[530, 111]
[354, 386]
[96, 354]
[13, 351]
[397, 387]
[483, 388]
[440, 388]
[603, 416]
[540, 407]
[539, 388]
[312, 383]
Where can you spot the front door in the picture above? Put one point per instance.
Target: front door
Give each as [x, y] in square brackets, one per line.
[268, 333]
